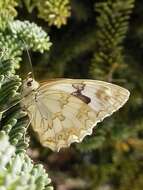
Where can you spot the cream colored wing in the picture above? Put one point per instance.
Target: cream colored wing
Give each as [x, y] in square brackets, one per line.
[60, 119]
[66, 110]
[104, 98]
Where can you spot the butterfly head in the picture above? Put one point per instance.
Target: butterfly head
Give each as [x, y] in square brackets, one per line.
[29, 85]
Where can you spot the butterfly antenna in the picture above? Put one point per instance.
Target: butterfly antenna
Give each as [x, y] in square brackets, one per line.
[16, 103]
[29, 58]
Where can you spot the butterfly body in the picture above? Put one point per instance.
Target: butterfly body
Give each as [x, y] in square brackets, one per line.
[64, 111]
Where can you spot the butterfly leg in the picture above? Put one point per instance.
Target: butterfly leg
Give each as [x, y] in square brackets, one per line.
[29, 122]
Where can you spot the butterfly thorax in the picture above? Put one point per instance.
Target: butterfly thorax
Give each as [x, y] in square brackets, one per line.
[29, 92]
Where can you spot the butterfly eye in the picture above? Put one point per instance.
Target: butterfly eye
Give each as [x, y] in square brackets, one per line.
[29, 83]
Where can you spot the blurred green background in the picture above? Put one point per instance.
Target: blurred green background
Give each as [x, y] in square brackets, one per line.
[100, 40]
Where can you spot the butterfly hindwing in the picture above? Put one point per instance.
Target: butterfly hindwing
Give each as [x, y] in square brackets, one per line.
[61, 119]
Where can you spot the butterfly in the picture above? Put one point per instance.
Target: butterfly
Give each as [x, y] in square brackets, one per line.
[64, 111]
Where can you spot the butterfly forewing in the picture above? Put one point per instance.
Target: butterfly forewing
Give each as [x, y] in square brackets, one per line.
[66, 110]
[100, 96]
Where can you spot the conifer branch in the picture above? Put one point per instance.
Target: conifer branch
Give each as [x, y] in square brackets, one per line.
[55, 12]
[7, 12]
[17, 171]
[35, 38]
[112, 26]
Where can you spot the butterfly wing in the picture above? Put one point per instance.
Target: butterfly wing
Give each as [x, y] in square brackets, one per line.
[102, 97]
[66, 110]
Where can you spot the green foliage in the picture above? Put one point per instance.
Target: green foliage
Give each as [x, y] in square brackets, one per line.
[11, 50]
[19, 33]
[112, 26]
[34, 37]
[55, 12]
[17, 170]
[7, 12]
[115, 175]
[13, 121]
